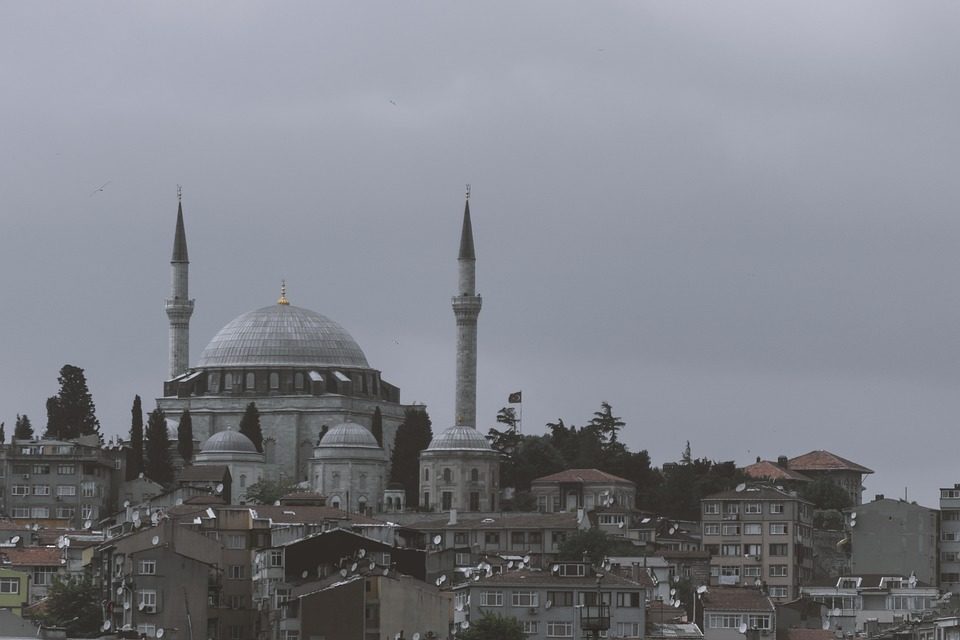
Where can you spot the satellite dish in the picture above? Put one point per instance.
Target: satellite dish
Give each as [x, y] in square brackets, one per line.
[437, 582]
[510, 564]
[676, 604]
[141, 606]
[758, 582]
[106, 625]
[476, 577]
[361, 553]
[443, 578]
[353, 567]
[673, 592]
[137, 523]
[526, 559]
[119, 591]
[304, 574]
[742, 628]
[836, 612]
[219, 489]
[621, 525]
[465, 624]
[555, 568]
[155, 518]
[416, 636]
[66, 541]
[126, 605]
[671, 602]
[437, 539]
[160, 632]
[155, 540]
[912, 581]
[672, 530]
[741, 487]
[343, 573]
[179, 501]
[826, 624]
[372, 566]
[853, 523]
[135, 516]
[548, 604]
[386, 570]
[60, 542]
[126, 504]
[853, 515]
[702, 589]
[15, 540]
[211, 513]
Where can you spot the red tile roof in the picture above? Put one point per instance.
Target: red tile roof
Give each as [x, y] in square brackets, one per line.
[582, 475]
[821, 460]
[735, 599]
[767, 470]
[31, 556]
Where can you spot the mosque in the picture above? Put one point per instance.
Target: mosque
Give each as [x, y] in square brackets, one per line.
[317, 394]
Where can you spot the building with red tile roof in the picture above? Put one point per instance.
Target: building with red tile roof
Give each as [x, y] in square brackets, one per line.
[582, 489]
[838, 470]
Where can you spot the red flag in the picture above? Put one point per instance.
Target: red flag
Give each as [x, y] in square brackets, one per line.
[515, 397]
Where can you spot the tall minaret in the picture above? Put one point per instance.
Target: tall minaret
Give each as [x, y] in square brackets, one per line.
[179, 305]
[466, 308]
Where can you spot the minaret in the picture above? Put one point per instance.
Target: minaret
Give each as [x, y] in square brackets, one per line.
[466, 308]
[179, 305]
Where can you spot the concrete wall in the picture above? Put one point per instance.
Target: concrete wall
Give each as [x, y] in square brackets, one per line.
[896, 538]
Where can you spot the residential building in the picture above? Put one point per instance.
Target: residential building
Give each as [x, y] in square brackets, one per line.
[728, 612]
[778, 472]
[949, 578]
[42, 564]
[759, 535]
[549, 603]
[842, 472]
[854, 601]
[894, 537]
[14, 589]
[588, 489]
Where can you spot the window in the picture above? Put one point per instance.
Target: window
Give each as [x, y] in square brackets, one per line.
[243, 481]
[491, 598]
[711, 508]
[10, 585]
[298, 381]
[730, 550]
[534, 537]
[147, 601]
[66, 489]
[66, 512]
[40, 512]
[560, 598]
[474, 475]
[87, 512]
[761, 622]
[779, 549]
[426, 499]
[276, 558]
[447, 475]
[41, 489]
[752, 550]
[251, 381]
[491, 538]
[752, 507]
[731, 529]
[730, 570]
[235, 572]
[560, 629]
[66, 469]
[88, 489]
[777, 592]
[474, 501]
[235, 601]
[147, 567]
[148, 630]
[778, 528]
[731, 507]
[20, 512]
[589, 598]
[518, 538]
[460, 537]
[525, 599]
[227, 381]
[446, 500]
[274, 381]
[43, 576]
[572, 569]
[21, 490]
[711, 529]
[462, 559]
[531, 627]
[558, 537]
[628, 599]
[753, 529]
[213, 381]
[426, 473]
[776, 507]
[778, 571]
[629, 630]
[236, 541]
[751, 572]
[41, 469]
[950, 493]
[944, 577]
[723, 621]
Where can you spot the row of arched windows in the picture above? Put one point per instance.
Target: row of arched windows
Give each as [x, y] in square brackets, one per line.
[447, 474]
[232, 379]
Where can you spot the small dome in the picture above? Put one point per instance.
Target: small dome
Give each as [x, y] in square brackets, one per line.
[349, 434]
[460, 438]
[282, 335]
[228, 441]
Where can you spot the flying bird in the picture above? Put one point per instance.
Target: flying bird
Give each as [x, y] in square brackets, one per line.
[100, 188]
[393, 103]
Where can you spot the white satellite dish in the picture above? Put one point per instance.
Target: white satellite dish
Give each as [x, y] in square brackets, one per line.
[126, 605]
[826, 624]
[155, 518]
[106, 625]
[372, 565]
[476, 577]
[87, 524]
[437, 582]
[160, 632]
[141, 606]
[672, 530]
[219, 489]
[548, 604]
[386, 570]
[119, 591]
[15, 540]
[836, 612]
[416, 636]
[510, 564]
[179, 501]
[673, 592]
[621, 525]
[526, 559]
[304, 574]
[137, 523]
[676, 604]
[126, 504]
[437, 539]
[60, 542]
[361, 553]
[155, 540]
[555, 568]
[702, 589]
[853, 523]
[353, 567]
[853, 515]
[742, 628]
[671, 602]
[66, 541]
[465, 624]
[135, 515]
[740, 487]
[443, 578]
[343, 573]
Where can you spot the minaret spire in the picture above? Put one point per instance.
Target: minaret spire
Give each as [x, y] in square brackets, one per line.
[466, 309]
[179, 306]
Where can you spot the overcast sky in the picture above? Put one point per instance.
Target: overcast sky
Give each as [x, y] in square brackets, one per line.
[734, 221]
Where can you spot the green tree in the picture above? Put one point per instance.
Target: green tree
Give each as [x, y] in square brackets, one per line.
[594, 545]
[686, 484]
[3, 433]
[606, 425]
[534, 458]
[22, 429]
[376, 426]
[185, 436]
[157, 463]
[73, 603]
[826, 495]
[250, 426]
[71, 413]
[493, 626]
[269, 491]
[135, 463]
[413, 436]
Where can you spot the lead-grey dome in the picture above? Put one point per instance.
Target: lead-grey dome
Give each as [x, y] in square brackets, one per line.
[228, 441]
[349, 434]
[282, 335]
[458, 438]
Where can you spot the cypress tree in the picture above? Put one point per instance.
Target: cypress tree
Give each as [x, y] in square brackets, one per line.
[135, 463]
[185, 436]
[250, 426]
[157, 464]
[3, 433]
[377, 427]
[413, 436]
[71, 413]
[22, 429]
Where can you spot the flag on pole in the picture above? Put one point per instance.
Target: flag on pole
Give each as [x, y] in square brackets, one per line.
[515, 397]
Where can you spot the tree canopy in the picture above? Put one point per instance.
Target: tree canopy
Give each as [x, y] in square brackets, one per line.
[826, 495]
[250, 426]
[269, 491]
[157, 463]
[73, 603]
[135, 461]
[22, 429]
[71, 413]
[594, 545]
[185, 436]
[413, 436]
[492, 626]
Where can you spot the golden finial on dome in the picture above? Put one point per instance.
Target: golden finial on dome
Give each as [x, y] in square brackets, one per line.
[283, 293]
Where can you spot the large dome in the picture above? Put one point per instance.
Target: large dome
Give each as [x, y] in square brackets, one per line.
[349, 434]
[282, 335]
[228, 441]
[459, 438]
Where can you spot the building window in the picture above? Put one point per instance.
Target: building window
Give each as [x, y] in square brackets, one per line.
[40, 512]
[66, 512]
[558, 537]
[776, 507]
[20, 490]
[753, 507]
[148, 601]
[525, 599]
[335, 477]
[531, 627]
[628, 599]
[147, 567]
[778, 528]
[751, 572]
[731, 530]
[276, 558]
[460, 537]
[560, 598]
[753, 529]
[20, 512]
[778, 571]
[251, 381]
[274, 381]
[298, 381]
[147, 630]
[66, 490]
[87, 512]
[227, 381]
[629, 630]
[534, 537]
[10, 585]
[446, 500]
[779, 549]
[761, 622]
[491, 538]
[243, 481]
[723, 621]
[711, 508]
[447, 475]
[235, 572]
[560, 629]
[236, 541]
[711, 529]
[518, 538]
[572, 569]
[66, 469]
[43, 576]
[88, 489]
[491, 598]
[730, 550]
[426, 473]
[41, 489]
[777, 592]
[41, 469]
[426, 500]
[474, 475]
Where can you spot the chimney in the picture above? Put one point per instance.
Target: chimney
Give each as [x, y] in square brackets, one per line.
[758, 458]
[453, 517]
[782, 462]
[877, 497]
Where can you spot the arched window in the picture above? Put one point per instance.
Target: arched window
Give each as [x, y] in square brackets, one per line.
[362, 481]
[389, 503]
[336, 479]
[274, 381]
[335, 502]
[251, 380]
[474, 475]
[213, 381]
[426, 473]
[298, 381]
[243, 481]
[447, 475]
[362, 503]
[227, 381]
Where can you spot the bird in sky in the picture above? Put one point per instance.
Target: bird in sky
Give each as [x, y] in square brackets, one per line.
[393, 102]
[100, 188]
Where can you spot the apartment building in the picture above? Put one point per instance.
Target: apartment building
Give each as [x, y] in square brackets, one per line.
[759, 535]
[732, 613]
[949, 578]
[853, 601]
[893, 537]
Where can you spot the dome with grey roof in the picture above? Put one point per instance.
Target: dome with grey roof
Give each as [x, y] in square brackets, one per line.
[349, 434]
[282, 335]
[459, 438]
[228, 441]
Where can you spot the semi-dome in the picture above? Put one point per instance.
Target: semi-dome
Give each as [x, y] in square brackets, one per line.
[228, 441]
[349, 434]
[459, 438]
[282, 335]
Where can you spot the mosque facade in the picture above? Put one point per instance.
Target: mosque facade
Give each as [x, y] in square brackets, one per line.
[304, 371]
